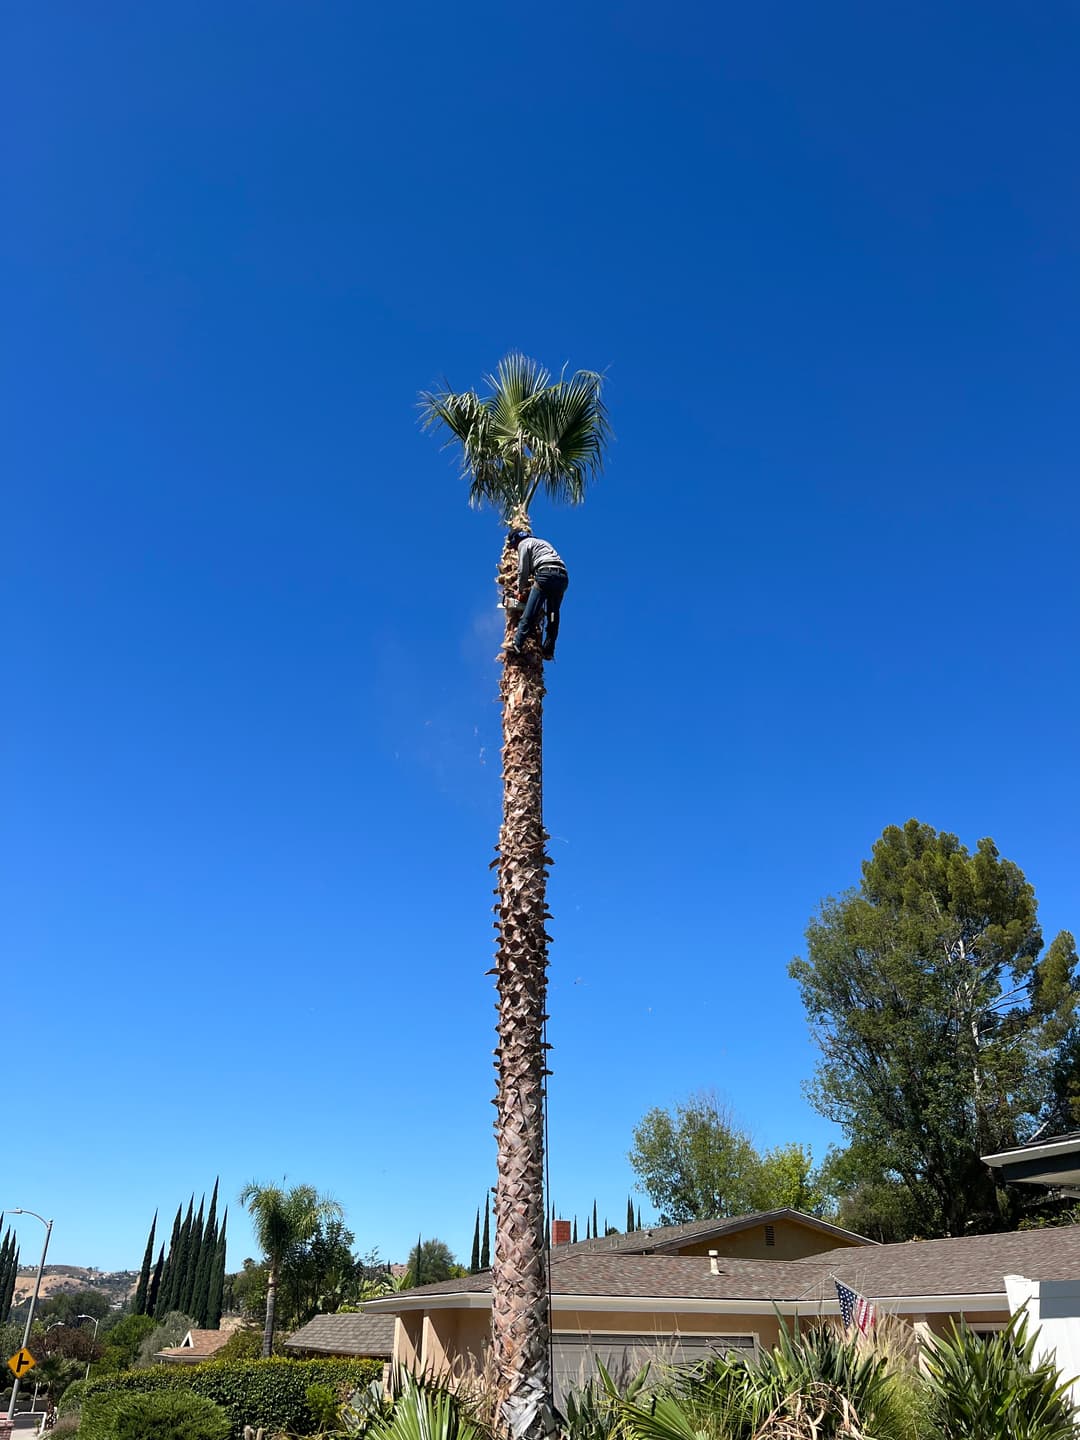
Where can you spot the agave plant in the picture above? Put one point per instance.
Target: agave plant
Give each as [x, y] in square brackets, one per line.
[597, 1410]
[423, 1411]
[995, 1389]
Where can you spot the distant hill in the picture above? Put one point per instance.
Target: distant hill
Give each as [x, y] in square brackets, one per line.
[116, 1285]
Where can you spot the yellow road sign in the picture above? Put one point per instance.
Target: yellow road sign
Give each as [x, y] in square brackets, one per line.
[21, 1362]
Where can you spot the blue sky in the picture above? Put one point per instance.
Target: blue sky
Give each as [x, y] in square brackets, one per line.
[828, 257]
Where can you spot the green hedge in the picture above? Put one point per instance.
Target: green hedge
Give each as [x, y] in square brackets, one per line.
[251, 1392]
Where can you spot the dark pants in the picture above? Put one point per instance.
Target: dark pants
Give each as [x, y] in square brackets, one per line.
[546, 594]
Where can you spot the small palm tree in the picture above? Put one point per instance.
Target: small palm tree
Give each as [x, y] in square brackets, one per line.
[526, 435]
[283, 1220]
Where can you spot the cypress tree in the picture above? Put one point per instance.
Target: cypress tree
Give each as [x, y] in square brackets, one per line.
[217, 1279]
[588, 1235]
[629, 1214]
[13, 1275]
[155, 1282]
[474, 1263]
[7, 1255]
[575, 1230]
[638, 1225]
[200, 1303]
[595, 1231]
[139, 1304]
[178, 1261]
[168, 1278]
[485, 1244]
[191, 1262]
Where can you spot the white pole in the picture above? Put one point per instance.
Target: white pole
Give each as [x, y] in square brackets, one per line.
[33, 1299]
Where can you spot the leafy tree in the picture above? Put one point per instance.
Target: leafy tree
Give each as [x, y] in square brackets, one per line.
[430, 1261]
[695, 1163]
[786, 1179]
[123, 1341]
[169, 1330]
[941, 1029]
[142, 1289]
[526, 435]
[67, 1306]
[246, 1289]
[283, 1219]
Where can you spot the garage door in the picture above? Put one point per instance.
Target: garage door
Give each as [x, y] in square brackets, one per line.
[623, 1355]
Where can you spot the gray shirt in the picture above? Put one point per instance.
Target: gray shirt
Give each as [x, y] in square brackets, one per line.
[533, 554]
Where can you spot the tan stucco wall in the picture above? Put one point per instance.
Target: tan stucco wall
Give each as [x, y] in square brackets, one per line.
[793, 1241]
[457, 1341]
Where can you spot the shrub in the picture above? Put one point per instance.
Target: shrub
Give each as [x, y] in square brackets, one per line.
[993, 1389]
[164, 1416]
[324, 1402]
[271, 1393]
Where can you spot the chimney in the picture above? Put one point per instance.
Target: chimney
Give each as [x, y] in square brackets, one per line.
[714, 1268]
[560, 1232]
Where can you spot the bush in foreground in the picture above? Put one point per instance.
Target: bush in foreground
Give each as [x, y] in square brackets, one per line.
[163, 1416]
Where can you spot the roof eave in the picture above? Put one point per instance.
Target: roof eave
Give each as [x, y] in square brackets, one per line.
[698, 1305]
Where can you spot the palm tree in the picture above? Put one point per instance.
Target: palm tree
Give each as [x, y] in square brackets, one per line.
[283, 1220]
[525, 435]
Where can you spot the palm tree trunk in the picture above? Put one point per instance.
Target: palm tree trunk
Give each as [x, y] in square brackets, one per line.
[271, 1310]
[520, 1317]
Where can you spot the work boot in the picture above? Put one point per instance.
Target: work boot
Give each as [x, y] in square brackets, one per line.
[548, 651]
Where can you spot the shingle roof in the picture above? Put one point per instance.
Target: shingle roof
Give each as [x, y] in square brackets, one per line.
[660, 1238]
[203, 1344]
[359, 1334]
[967, 1265]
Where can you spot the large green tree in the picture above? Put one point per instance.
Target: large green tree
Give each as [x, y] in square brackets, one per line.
[525, 436]
[283, 1220]
[695, 1162]
[941, 1022]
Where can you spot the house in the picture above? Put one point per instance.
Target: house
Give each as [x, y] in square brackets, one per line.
[684, 1291]
[196, 1346]
[1054, 1162]
[359, 1336]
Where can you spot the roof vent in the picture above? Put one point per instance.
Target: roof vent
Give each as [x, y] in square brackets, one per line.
[714, 1268]
[770, 1235]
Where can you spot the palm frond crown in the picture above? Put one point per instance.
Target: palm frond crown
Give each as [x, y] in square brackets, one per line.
[526, 434]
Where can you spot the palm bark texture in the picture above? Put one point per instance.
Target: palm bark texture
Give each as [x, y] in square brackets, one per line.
[525, 435]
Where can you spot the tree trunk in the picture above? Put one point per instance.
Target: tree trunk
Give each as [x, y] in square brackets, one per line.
[271, 1309]
[519, 1310]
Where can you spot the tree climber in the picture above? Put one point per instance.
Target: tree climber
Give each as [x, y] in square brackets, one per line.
[542, 582]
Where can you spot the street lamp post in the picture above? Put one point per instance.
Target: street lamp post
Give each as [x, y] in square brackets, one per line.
[97, 1321]
[33, 1299]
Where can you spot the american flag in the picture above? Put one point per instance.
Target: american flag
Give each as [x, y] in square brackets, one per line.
[854, 1309]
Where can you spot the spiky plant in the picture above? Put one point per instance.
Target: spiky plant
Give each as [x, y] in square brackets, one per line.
[527, 434]
[993, 1388]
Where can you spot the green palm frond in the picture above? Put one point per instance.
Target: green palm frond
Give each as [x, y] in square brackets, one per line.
[571, 431]
[527, 434]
